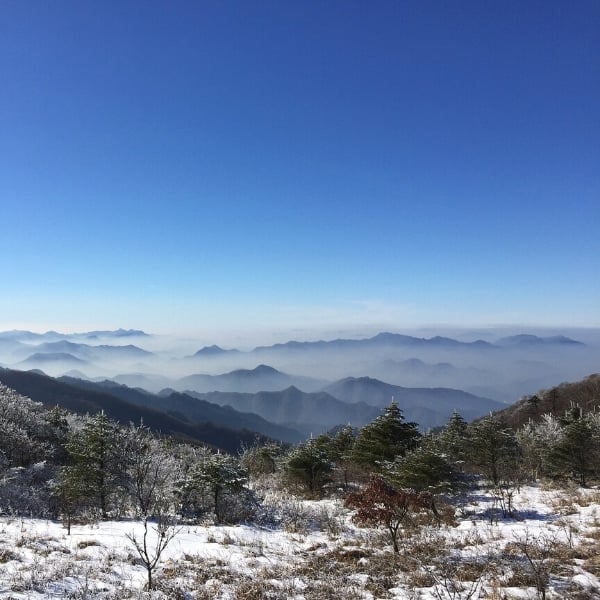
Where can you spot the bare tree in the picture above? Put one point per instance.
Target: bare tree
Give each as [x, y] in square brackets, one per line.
[150, 548]
[151, 470]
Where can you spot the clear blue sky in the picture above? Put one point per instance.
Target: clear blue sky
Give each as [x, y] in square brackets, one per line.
[200, 165]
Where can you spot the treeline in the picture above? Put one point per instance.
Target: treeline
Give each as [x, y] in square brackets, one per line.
[57, 464]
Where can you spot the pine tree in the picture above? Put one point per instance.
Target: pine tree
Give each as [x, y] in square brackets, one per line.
[537, 441]
[98, 461]
[216, 483]
[341, 452]
[453, 442]
[577, 452]
[495, 449]
[68, 493]
[387, 437]
[422, 469]
[309, 466]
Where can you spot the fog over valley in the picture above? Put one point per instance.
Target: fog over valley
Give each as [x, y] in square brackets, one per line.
[498, 364]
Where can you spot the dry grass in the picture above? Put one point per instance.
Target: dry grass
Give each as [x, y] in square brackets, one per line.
[87, 543]
[592, 564]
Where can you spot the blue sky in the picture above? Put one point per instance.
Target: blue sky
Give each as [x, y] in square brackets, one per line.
[195, 166]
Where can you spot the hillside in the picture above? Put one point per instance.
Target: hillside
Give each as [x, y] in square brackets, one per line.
[310, 412]
[52, 392]
[429, 407]
[261, 378]
[191, 409]
[556, 400]
[333, 558]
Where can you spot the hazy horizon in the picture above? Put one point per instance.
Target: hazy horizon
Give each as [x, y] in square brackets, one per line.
[250, 338]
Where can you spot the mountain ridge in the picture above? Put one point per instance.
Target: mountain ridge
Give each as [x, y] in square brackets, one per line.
[52, 392]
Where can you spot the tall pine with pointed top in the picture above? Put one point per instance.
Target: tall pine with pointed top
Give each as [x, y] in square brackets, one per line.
[385, 438]
[495, 450]
[577, 451]
[453, 442]
[98, 462]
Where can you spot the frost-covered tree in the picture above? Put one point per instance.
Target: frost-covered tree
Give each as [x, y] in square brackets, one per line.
[536, 441]
[577, 452]
[422, 469]
[22, 427]
[26, 454]
[215, 483]
[151, 471]
[261, 459]
[495, 450]
[309, 467]
[453, 441]
[98, 461]
[385, 438]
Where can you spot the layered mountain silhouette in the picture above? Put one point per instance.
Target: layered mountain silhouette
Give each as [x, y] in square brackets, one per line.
[309, 412]
[526, 341]
[356, 401]
[30, 336]
[504, 369]
[430, 407]
[81, 399]
[557, 400]
[192, 409]
[384, 339]
[214, 350]
[93, 353]
[261, 378]
[48, 358]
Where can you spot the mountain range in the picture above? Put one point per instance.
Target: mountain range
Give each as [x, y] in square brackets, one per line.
[288, 415]
[500, 367]
[311, 413]
[80, 399]
[261, 378]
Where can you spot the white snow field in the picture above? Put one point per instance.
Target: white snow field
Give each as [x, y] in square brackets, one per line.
[551, 549]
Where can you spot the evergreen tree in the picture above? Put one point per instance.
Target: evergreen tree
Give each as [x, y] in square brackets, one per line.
[537, 441]
[453, 442]
[261, 459]
[68, 493]
[309, 466]
[98, 461]
[216, 483]
[422, 469]
[387, 437]
[495, 449]
[342, 446]
[577, 452]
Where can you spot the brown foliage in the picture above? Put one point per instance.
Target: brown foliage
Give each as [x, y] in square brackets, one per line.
[382, 505]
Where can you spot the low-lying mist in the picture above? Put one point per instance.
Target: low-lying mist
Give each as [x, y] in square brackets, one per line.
[500, 364]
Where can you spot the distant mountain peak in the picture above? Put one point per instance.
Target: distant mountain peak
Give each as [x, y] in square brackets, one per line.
[213, 350]
[528, 339]
[115, 333]
[265, 369]
[41, 357]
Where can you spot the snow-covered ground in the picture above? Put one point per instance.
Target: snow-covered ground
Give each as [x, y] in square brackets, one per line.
[552, 543]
